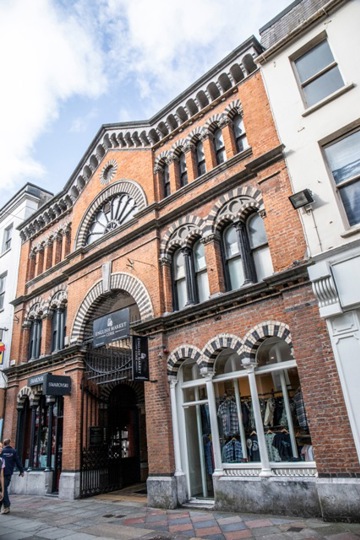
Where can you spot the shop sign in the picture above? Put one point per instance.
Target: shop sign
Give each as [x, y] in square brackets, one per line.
[2, 350]
[56, 385]
[140, 358]
[111, 327]
[37, 379]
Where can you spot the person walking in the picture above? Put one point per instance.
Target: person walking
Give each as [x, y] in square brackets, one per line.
[2, 483]
[9, 455]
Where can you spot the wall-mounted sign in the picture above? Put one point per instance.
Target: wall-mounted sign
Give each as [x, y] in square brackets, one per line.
[111, 327]
[56, 385]
[37, 379]
[140, 358]
[2, 350]
[96, 435]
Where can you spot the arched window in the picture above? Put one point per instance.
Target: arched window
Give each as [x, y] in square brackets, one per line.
[179, 279]
[35, 339]
[190, 277]
[58, 329]
[200, 158]
[183, 175]
[165, 180]
[113, 213]
[201, 277]
[246, 253]
[219, 147]
[239, 133]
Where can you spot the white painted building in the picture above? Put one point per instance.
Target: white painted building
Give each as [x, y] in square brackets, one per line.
[24, 203]
[311, 69]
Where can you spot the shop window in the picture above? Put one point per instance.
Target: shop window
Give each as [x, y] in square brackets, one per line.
[263, 420]
[2, 290]
[35, 339]
[190, 276]
[246, 253]
[219, 147]
[165, 180]
[200, 158]
[8, 232]
[183, 175]
[343, 157]
[111, 215]
[257, 415]
[239, 133]
[318, 73]
[58, 329]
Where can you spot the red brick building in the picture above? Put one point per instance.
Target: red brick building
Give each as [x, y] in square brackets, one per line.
[180, 226]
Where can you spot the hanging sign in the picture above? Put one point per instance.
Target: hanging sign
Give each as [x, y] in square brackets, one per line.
[140, 358]
[37, 379]
[111, 327]
[56, 385]
[2, 350]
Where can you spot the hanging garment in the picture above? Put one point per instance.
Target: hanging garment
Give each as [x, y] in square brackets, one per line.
[282, 443]
[269, 412]
[307, 452]
[253, 447]
[300, 409]
[273, 452]
[209, 456]
[232, 452]
[228, 415]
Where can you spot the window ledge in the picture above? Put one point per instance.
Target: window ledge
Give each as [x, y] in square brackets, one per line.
[327, 100]
[351, 232]
[5, 252]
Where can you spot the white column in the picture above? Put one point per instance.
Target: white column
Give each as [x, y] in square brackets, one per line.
[175, 424]
[213, 422]
[265, 464]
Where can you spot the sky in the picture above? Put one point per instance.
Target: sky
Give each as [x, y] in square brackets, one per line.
[70, 66]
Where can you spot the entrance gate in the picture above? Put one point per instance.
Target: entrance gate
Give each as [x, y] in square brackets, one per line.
[113, 428]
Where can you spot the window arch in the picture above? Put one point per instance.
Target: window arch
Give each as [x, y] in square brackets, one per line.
[190, 278]
[246, 253]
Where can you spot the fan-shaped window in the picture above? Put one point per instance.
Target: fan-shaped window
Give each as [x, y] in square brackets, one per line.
[113, 213]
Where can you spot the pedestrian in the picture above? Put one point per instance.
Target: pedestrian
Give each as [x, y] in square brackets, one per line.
[9, 455]
[2, 484]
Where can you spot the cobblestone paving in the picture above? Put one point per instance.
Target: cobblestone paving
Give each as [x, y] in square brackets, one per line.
[39, 518]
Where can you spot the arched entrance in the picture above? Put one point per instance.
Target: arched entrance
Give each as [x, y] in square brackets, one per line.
[114, 448]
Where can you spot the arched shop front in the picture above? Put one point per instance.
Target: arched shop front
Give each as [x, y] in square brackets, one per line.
[246, 440]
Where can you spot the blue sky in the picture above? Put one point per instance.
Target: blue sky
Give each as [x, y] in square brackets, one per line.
[69, 66]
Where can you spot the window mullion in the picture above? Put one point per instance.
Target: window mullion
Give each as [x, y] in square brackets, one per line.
[189, 273]
[265, 463]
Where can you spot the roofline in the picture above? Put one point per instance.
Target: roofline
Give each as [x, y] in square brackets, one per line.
[23, 190]
[279, 16]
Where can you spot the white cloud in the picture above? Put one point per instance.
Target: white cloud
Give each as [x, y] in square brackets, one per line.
[46, 57]
[53, 50]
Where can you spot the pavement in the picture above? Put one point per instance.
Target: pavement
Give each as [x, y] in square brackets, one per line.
[126, 518]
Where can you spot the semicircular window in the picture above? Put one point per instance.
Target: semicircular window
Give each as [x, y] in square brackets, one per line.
[111, 214]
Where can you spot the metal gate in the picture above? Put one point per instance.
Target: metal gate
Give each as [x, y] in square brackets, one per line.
[110, 449]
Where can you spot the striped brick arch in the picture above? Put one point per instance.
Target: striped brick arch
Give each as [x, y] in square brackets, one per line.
[138, 389]
[123, 186]
[179, 355]
[250, 201]
[119, 281]
[258, 334]
[27, 392]
[218, 344]
[193, 227]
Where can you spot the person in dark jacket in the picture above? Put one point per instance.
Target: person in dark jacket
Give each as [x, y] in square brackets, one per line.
[9, 455]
